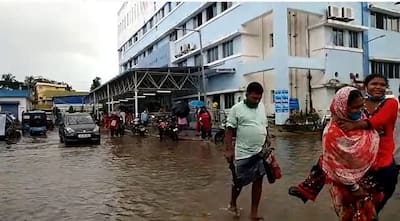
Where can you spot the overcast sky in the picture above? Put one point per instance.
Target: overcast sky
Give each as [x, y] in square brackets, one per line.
[65, 40]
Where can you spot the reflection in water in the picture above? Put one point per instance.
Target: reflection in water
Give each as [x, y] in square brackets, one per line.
[133, 178]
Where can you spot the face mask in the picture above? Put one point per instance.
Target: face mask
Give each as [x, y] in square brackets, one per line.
[250, 104]
[355, 116]
[370, 98]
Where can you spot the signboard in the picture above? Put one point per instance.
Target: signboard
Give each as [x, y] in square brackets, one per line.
[3, 118]
[294, 104]
[281, 101]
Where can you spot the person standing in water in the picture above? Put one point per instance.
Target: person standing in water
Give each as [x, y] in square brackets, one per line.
[249, 120]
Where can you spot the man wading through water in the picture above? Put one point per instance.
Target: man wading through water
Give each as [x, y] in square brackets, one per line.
[246, 160]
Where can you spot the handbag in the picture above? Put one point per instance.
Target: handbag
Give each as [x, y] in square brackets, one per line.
[271, 166]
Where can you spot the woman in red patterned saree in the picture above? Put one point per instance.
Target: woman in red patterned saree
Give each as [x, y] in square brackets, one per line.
[347, 157]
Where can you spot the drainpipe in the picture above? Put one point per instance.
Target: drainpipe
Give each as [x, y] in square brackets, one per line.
[365, 22]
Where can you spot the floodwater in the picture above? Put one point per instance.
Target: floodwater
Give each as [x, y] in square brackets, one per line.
[133, 178]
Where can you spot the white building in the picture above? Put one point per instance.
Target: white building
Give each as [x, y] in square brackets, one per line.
[296, 50]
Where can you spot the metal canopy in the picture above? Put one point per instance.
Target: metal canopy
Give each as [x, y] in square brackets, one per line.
[139, 80]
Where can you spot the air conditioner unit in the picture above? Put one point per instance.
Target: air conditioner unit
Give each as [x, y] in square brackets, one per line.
[191, 47]
[348, 13]
[184, 49]
[334, 12]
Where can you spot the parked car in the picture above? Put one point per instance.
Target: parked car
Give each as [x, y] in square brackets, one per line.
[78, 127]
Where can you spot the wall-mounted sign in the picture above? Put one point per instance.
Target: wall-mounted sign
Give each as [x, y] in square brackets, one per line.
[294, 104]
[281, 101]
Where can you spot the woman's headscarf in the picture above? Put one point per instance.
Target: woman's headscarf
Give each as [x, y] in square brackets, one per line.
[347, 156]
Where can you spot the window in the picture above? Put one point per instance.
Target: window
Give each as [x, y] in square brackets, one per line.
[145, 29]
[211, 11]
[388, 69]
[184, 31]
[227, 49]
[373, 19]
[385, 22]
[337, 37]
[151, 23]
[150, 50]
[162, 12]
[271, 40]
[182, 63]
[169, 6]
[130, 42]
[135, 38]
[379, 21]
[197, 60]
[144, 54]
[135, 60]
[225, 5]
[198, 20]
[272, 96]
[229, 100]
[353, 39]
[173, 36]
[395, 24]
[212, 54]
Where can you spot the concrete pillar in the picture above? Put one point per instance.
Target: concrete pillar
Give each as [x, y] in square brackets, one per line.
[280, 55]
[365, 22]
[108, 98]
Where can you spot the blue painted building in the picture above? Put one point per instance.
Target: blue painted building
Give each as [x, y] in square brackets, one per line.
[298, 51]
[15, 102]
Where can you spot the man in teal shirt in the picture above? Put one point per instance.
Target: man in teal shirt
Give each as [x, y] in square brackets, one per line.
[249, 120]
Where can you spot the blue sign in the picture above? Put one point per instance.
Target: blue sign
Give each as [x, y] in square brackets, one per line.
[294, 104]
[281, 101]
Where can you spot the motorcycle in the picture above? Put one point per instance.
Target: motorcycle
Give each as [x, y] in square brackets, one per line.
[168, 127]
[138, 127]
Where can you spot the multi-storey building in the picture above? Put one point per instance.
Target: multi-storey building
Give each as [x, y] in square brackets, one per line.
[299, 51]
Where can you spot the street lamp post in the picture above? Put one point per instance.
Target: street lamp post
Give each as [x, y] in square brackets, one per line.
[202, 62]
[373, 39]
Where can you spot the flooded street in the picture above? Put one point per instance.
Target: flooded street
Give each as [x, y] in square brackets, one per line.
[134, 178]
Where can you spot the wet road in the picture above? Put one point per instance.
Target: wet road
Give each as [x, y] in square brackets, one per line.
[140, 179]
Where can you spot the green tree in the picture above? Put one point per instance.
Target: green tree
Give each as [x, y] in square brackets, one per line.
[9, 78]
[9, 81]
[29, 81]
[95, 83]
